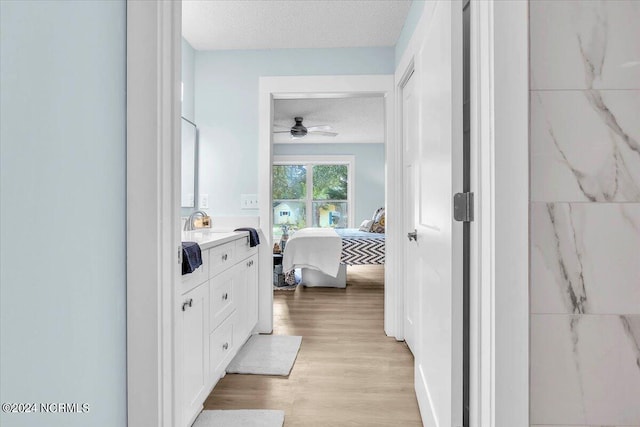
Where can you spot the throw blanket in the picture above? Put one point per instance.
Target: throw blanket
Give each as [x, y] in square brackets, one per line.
[254, 239]
[315, 248]
[191, 257]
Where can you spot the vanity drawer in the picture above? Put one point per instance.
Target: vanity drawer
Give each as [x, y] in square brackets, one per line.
[221, 296]
[221, 347]
[201, 275]
[243, 250]
[221, 257]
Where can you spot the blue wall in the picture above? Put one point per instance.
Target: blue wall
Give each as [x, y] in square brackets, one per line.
[369, 168]
[226, 105]
[410, 24]
[62, 210]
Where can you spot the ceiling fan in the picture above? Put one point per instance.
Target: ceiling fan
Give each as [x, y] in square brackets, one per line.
[298, 130]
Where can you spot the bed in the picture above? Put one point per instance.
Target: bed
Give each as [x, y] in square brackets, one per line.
[323, 254]
[361, 247]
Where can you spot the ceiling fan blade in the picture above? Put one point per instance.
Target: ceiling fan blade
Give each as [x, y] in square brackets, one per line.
[325, 128]
[282, 131]
[324, 133]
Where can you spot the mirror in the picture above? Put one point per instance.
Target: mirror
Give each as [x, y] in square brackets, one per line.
[189, 162]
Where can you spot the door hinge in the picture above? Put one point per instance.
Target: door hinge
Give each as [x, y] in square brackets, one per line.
[463, 207]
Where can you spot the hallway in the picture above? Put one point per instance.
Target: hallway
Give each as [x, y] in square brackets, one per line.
[348, 373]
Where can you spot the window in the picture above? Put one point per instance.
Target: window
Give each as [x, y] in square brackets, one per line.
[311, 191]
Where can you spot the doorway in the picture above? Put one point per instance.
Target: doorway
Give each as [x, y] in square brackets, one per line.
[326, 87]
[333, 178]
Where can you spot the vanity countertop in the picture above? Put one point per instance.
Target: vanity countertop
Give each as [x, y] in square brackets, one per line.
[209, 237]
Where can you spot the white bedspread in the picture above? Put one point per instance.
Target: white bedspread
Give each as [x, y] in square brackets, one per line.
[316, 248]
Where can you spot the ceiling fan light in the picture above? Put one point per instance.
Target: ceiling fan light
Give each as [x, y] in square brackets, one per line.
[299, 131]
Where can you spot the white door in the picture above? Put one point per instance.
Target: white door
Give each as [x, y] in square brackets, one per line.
[438, 250]
[410, 124]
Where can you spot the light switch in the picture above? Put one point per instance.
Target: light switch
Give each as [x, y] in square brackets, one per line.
[248, 201]
[204, 201]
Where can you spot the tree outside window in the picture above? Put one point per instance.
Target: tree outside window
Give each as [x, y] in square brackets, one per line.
[310, 194]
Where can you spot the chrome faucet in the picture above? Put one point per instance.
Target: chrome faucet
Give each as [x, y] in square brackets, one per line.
[188, 225]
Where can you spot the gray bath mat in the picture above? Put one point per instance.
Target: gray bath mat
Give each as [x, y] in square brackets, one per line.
[266, 355]
[240, 418]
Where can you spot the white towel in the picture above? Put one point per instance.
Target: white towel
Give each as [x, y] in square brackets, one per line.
[315, 248]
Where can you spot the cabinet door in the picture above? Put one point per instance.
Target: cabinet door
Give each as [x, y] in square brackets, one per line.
[224, 294]
[252, 292]
[240, 293]
[246, 293]
[195, 350]
[222, 347]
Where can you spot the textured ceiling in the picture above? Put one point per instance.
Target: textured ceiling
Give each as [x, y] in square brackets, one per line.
[355, 119]
[272, 24]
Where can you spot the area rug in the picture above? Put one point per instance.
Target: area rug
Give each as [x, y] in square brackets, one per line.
[266, 355]
[240, 418]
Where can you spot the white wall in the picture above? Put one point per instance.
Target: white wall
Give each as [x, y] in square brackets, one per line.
[62, 210]
[369, 171]
[226, 105]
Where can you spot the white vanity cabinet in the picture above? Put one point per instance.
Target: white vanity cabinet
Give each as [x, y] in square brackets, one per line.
[218, 311]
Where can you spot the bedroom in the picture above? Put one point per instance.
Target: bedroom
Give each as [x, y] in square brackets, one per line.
[333, 178]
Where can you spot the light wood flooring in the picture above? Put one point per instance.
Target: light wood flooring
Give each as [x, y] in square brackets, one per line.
[348, 372]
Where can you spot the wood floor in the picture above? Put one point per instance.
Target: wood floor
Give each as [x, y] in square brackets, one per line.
[348, 372]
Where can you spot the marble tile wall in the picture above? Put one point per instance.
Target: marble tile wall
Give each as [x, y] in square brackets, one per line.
[585, 213]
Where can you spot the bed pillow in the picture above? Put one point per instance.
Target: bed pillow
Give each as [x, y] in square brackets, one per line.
[378, 221]
[366, 225]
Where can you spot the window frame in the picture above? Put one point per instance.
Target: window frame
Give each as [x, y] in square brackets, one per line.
[311, 160]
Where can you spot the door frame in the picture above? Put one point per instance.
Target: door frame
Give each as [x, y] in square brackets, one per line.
[500, 310]
[500, 114]
[153, 209]
[297, 87]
